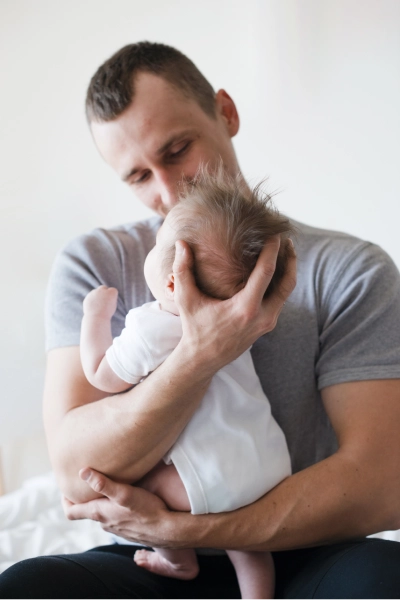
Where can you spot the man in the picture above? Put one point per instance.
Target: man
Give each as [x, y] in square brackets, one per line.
[330, 365]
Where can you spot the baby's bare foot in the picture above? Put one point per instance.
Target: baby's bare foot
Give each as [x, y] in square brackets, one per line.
[186, 568]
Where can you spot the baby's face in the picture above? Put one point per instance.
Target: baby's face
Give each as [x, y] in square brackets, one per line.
[155, 276]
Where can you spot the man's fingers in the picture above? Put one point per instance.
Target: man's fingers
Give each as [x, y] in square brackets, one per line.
[184, 282]
[87, 510]
[274, 303]
[183, 258]
[98, 509]
[66, 504]
[260, 279]
[117, 492]
[289, 279]
[264, 270]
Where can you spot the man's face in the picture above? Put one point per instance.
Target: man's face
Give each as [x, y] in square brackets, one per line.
[163, 137]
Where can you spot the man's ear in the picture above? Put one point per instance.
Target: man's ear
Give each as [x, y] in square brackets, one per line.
[170, 287]
[226, 108]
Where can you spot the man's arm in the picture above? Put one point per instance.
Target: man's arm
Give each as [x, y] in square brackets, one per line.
[353, 493]
[124, 436]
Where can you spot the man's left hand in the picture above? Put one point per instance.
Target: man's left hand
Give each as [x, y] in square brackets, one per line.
[130, 512]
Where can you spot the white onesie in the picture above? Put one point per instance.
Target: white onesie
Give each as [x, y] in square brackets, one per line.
[232, 451]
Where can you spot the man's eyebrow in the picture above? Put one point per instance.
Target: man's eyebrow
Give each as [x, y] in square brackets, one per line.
[175, 137]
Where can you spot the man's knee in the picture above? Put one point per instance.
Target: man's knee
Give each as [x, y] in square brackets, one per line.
[369, 569]
[45, 577]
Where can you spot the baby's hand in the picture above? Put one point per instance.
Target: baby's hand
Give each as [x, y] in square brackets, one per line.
[101, 302]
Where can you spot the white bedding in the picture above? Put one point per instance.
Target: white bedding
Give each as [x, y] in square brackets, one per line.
[32, 523]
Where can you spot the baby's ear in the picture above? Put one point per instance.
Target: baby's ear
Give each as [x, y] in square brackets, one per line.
[170, 287]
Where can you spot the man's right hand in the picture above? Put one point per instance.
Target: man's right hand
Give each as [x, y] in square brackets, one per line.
[216, 332]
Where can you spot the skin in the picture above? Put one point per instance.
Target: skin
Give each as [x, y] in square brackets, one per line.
[159, 139]
[354, 492]
[351, 494]
[161, 284]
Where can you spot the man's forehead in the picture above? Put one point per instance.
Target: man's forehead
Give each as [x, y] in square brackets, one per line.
[149, 84]
[155, 95]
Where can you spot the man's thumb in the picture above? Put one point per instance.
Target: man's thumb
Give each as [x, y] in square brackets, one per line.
[97, 481]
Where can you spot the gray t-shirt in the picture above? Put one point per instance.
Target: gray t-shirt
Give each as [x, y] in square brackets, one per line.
[342, 322]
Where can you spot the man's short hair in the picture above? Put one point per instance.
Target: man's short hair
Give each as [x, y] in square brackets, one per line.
[112, 87]
[226, 224]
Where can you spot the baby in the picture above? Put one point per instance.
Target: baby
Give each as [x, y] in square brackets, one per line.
[232, 451]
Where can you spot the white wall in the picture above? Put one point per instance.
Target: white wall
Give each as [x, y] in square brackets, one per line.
[318, 88]
[327, 86]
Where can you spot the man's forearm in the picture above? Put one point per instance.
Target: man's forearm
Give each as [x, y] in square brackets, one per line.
[124, 436]
[340, 498]
[328, 502]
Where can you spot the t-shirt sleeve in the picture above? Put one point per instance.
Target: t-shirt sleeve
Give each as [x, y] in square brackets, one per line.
[360, 320]
[128, 356]
[84, 264]
[149, 337]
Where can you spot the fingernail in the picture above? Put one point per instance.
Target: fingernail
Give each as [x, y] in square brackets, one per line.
[85, 474]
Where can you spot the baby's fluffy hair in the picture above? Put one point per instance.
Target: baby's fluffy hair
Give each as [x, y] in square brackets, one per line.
[226, 225]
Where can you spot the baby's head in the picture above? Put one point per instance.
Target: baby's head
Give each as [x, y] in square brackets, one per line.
[226, 225]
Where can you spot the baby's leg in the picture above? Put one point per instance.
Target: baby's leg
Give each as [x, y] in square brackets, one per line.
[165, 482]
[255, 572]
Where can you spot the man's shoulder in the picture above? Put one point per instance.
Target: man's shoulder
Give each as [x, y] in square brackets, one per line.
[332, 264]
[113, 257]
[310, 238]
[115, 240]
[332, 251]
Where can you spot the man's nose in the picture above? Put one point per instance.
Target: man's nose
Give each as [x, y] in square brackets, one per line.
[169, 196]
[168, 190]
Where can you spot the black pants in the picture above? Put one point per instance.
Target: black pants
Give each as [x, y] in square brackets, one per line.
[367, 568]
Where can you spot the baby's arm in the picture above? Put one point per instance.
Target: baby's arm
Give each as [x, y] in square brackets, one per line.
[96, 337]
